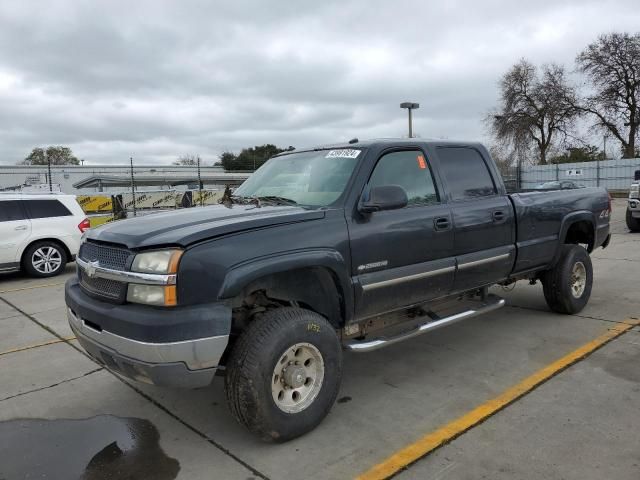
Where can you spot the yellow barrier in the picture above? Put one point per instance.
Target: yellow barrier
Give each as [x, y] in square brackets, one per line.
[95, 203]
[97, 220]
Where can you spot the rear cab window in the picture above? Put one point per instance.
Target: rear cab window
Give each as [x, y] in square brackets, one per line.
[466, 173]
[45, 209]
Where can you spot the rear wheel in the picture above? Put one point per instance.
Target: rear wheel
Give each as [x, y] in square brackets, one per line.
[284, 373]
[632, 223]
[44, 259]
[567, 286]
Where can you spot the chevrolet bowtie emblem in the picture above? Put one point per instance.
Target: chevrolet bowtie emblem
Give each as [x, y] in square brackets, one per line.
[90, 270]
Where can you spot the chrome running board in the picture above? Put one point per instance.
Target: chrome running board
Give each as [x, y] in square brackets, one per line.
[492, 302]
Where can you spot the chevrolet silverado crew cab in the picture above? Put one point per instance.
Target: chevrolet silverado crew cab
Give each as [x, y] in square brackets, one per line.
[355, 246]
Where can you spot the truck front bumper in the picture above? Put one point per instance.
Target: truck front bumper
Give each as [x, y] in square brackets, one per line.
[185, 363]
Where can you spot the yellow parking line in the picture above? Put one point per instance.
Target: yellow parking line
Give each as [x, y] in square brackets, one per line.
[29, 347]
[32, 287]
[430, 442]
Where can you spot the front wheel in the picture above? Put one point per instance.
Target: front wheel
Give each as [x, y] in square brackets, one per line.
[633, 224]
[284, 373]
[567, 286]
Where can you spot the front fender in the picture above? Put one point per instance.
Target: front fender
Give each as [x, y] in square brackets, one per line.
[245, 273]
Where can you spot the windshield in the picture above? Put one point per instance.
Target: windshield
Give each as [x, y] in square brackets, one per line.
[308, 178]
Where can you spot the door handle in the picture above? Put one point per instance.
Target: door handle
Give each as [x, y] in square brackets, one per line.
[498, 216]
[21, 227]
[441, 223]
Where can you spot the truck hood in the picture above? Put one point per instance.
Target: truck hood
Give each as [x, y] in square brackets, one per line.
[188, 226]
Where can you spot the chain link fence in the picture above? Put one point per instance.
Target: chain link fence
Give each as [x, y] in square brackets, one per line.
[614, 175]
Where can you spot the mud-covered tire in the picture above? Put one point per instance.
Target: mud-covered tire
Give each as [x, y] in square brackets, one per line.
[250, 381]
[44, 259]
[633, 224]
[562, 288]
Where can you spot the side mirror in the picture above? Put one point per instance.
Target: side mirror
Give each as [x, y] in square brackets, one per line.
[386, 197]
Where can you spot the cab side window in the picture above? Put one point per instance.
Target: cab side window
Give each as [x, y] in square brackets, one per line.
[408, 169]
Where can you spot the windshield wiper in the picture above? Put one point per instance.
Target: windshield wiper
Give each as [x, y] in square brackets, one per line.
[277, 200]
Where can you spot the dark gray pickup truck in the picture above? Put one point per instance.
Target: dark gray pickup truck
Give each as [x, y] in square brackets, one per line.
[354, 246]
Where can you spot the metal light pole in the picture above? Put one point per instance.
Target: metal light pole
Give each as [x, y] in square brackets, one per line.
[410, 106]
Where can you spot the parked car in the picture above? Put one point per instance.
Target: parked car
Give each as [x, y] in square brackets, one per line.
[561, 185]
[354, 246]
[39, 233]
[633, 205]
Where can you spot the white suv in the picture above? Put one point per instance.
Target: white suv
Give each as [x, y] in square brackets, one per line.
[39, 233]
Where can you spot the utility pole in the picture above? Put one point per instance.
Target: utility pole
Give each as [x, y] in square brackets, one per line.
[410, 106]
[133, 188]
[49, 170]
[199, 182]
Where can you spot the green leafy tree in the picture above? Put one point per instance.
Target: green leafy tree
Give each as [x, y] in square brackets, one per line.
[58, 155]
[588, 153]
[250, 158]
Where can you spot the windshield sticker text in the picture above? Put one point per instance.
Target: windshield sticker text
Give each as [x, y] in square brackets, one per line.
[346, 153]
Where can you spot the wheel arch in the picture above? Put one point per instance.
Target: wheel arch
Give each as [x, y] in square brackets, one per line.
[578, 227]
[57, 241]
[317, 279]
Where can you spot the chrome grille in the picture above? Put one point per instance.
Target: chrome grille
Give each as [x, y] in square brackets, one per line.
[115, 258]
[109, 257]
[103, 287]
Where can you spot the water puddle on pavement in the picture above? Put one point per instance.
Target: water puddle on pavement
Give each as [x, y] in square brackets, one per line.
[96, 448]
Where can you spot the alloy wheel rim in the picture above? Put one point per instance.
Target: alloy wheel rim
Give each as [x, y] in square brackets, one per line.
[578, 279]
[46, 259]
[297, 377]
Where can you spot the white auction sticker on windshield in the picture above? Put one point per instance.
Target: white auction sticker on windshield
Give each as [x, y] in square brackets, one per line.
[346, 153]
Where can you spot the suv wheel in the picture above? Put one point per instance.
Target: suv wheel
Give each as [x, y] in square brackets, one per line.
[284, 373]
[567, 286]
[632, 223]
[44, 259]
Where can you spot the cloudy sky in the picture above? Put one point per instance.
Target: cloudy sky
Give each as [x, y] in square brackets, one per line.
[155, 80]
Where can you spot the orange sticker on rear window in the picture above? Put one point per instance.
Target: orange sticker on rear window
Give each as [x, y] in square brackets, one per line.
[422, 162]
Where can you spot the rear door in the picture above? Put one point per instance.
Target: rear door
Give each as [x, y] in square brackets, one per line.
[15, 230]
[402, 257]
[483, 217]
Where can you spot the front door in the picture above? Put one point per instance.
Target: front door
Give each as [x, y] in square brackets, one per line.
[402, 257]
[15, 229]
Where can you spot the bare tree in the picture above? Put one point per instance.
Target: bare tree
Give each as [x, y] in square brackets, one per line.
[612, 67]
[534, 109]
[187, 160]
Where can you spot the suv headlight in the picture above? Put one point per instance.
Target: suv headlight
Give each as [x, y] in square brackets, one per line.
[159, 261]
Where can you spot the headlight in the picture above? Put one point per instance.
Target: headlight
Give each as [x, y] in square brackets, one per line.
[152, 294]
[160, 261]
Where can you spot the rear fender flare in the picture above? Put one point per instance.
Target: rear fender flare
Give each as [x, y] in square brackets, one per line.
[567, 221]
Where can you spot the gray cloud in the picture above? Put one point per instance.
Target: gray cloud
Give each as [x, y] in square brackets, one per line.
[154, 80]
